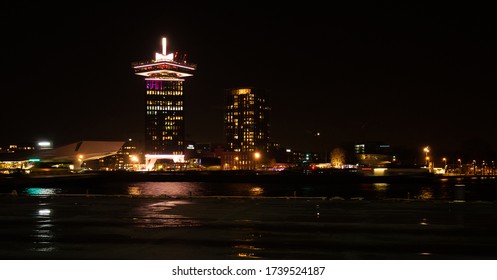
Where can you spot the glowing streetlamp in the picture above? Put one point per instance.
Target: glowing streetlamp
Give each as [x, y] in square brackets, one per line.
[427, 151]
[135, 160]
[445, 161]
[78, 164]
[236, 163]
[257, 156]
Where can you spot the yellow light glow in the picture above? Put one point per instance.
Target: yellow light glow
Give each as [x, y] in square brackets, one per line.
[379, 171]
[133, 190]
[242, 91]
[257, 155]
[256, 191]
[380, 186]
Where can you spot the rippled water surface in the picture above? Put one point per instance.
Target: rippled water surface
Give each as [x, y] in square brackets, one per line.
[363, 191]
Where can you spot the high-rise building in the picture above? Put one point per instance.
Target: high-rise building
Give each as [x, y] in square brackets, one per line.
[164, 119]
[247, 120]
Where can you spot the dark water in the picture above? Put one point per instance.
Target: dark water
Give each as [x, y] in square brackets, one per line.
[473, 191]
[374, 221]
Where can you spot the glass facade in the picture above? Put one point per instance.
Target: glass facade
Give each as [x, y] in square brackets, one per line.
[165, 124]
[246, 120]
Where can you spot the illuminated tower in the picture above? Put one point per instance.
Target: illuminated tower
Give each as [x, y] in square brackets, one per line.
[164, 119]
[246, 120]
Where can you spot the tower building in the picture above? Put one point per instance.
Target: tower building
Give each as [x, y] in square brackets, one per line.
[247, 120]
[164, 119]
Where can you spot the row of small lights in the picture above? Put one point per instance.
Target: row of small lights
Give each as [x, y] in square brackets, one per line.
[444, 159]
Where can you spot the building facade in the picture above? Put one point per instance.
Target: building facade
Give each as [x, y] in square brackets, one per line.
[247, 128]
[247, 120]
[165, 118]
[373, 154]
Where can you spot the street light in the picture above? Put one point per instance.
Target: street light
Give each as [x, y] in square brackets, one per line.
[257, 156]
[460, 165]
[236, 163]
[80, 161]
[135, 159]
[445, 161]
[427, 150]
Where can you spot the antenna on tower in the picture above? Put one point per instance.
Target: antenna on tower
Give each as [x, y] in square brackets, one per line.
[164, 45]
[164, 56]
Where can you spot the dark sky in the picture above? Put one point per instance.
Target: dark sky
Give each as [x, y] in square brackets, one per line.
[408, 75]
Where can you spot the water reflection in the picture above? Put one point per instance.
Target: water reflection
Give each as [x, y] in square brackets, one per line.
[42, 191]
[426, 193]
[444, 193]
[155, 215]
[380, 187]
[44, 212]
[43, 234]
[134, 190]
[443, 190]
[241, 189]
[187, 189]
[256, 191]
[380, 190]
[172, 189]
[245, 250]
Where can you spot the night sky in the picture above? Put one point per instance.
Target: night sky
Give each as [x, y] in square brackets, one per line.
[407, 75]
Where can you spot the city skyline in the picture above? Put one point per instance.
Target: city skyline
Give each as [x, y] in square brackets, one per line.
[410, 76]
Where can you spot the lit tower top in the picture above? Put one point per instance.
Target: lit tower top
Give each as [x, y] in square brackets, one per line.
[164, 106]
[165, 66]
